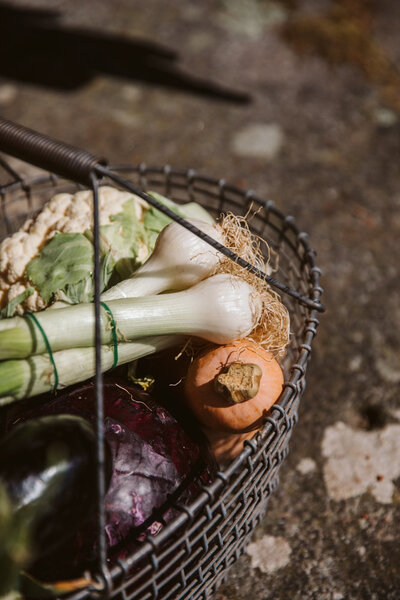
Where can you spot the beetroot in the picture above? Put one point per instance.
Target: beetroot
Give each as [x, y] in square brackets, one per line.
[155, 463]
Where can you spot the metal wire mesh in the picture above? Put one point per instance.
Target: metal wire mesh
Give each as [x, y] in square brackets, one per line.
[190, 557]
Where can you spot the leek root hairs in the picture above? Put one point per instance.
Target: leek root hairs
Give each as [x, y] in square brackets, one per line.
[273, 329]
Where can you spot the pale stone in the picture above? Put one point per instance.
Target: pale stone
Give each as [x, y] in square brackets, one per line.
[388, 367]
[385, 117]
[396, 413]
[258, 140]
[251, 17]
[269, 553]
[8, 93]
[306, 466]
[355, 363]
[361, 461]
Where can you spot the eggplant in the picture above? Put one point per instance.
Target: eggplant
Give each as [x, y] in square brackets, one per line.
[48, 470]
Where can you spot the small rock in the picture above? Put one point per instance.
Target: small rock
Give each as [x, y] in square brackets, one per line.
[388, 367]
[385, 117]
[396, 413]
[355, 363]
[306, 466]
[269, 553]
[361, 550]
[357, 336]
[251, 17]
[258, 140]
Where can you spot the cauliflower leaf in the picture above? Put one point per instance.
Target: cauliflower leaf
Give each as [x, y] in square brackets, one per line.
[127, 239]
[64, 269]
[11, 307]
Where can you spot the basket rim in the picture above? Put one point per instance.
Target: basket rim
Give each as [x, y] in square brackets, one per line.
[191, 176]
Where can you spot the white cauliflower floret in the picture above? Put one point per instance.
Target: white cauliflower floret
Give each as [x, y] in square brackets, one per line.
[15, 289]
[73, 225]
[15, 254]
[38, 229]
[58, 204]
[143, 252]
[35, 302]
[66, 213]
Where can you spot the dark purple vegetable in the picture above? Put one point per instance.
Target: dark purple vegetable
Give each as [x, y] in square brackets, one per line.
[47, 467]
[155, 463]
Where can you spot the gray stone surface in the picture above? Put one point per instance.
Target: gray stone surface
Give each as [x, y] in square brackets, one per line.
[338, 174]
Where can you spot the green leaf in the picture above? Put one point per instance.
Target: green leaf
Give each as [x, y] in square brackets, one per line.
[66, 260]
[64, 269]
[155, 220]
[145, 382]
[11, 307]
[83, 291]
[193, 210]
[126, 237]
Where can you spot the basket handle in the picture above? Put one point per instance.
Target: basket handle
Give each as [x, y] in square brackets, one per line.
[47, 153]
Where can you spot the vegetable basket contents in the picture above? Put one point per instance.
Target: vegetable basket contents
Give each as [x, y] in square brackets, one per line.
[204, 364]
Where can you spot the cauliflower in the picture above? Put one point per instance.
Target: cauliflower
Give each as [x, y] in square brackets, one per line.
[51, 257]
[64, 213]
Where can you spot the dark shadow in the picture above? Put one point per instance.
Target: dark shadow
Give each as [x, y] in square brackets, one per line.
[373, 417]
[37, 49]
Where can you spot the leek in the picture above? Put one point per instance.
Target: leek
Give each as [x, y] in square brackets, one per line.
[179, 260]
[25, 378]
[220, 309]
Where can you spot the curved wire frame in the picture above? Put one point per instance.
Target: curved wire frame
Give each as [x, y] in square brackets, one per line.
[192, 554]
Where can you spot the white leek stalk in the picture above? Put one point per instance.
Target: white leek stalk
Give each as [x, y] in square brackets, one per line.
[25, 378]
[179, 260]
[220, 309]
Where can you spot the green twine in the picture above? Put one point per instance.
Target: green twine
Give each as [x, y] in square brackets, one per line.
[113, 332]
[48, 348]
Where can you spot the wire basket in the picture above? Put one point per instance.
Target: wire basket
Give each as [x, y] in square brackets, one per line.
[191, 556]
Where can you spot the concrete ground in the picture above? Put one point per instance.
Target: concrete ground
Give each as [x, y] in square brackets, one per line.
[320, 137]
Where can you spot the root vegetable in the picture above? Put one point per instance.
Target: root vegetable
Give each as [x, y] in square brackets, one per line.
[226, 446]
[231, 387]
